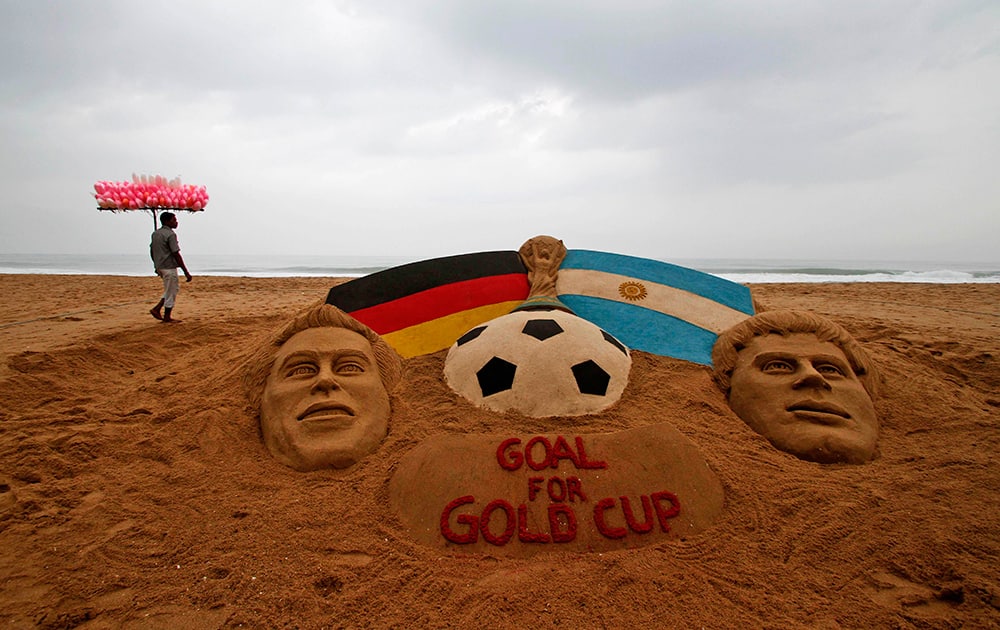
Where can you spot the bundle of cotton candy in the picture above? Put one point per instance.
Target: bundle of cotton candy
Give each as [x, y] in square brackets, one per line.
[150, 192]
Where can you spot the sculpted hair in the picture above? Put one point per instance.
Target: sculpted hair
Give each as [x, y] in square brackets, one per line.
[729, 344]
[322, 315]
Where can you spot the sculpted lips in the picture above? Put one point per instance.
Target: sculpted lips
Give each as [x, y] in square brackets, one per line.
[325, 409]
[818, 408]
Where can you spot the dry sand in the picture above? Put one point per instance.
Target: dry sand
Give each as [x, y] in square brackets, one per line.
[134, 491]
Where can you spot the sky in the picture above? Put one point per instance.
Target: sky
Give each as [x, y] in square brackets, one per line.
[764, 129]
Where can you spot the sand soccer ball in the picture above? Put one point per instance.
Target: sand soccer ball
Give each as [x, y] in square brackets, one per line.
[540, 363]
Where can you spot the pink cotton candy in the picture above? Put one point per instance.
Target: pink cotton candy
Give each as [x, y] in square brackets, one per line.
[149, 192]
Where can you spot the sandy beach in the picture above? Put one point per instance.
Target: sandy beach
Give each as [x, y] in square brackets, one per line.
[135, 492]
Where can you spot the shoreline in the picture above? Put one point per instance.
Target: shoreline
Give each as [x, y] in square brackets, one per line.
[304, 265]
[56, 309]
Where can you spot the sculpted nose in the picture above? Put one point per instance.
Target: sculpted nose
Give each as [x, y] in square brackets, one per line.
[811, 378]
[325, 382]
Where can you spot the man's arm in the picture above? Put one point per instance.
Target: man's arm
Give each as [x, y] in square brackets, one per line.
[180, 263]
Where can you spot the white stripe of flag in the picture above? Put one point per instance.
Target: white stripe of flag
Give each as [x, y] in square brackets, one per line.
[690, 307]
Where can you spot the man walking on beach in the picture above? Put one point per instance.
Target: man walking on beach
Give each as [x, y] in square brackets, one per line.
[166, 255]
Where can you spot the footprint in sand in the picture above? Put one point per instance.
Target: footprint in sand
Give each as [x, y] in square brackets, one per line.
[904, 596]
[7, 497]
[351, 558]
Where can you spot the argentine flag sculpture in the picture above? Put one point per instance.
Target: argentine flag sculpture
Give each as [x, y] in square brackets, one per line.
[650, 305]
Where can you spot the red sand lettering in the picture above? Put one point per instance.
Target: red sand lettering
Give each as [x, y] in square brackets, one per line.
[560, 490]
[534, 487]
[561, 517]
[510, 457]
[539, 453]
[484, 522]
[472, 534]
[602, 526]
[646, 525]
[559, 535]
[663, 514]
[522, 528]
[574, 489]
[562, 523]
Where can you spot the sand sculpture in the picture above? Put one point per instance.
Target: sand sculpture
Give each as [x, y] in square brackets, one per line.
[423, 307]
[321, 386]
[803, 382]
[521, 495]
[542, 256]
[539, 363]
[324, 382]
[541, 359]
[650, 305]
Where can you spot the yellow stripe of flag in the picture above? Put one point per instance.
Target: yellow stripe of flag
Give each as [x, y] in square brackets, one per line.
[439, 334]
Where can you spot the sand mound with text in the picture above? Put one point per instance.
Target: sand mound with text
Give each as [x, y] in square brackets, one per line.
[135, 492]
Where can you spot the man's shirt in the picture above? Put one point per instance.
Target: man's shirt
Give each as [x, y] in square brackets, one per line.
[162, 248]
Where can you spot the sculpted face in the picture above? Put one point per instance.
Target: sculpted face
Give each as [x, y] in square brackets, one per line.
[324, 404]
[802, 395]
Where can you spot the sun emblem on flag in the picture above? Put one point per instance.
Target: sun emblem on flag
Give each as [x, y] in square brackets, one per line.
[632, 291]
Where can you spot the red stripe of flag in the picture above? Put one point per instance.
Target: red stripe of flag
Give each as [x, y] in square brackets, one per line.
[443, 300]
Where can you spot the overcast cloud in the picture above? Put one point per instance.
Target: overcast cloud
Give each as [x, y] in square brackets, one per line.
[865, 130]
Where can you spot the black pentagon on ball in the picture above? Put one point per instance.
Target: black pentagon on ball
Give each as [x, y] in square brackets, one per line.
[496, 376]
[591, 378]
[614, 342]
[542, 329]
[469, 336]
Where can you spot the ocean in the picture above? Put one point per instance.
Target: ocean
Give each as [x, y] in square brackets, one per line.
[749, 271]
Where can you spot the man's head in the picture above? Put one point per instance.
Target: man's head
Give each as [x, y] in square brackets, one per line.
[802, 382]
[168, 219]
[322, 387]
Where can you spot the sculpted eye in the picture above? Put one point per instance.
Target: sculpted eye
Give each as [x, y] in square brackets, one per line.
[778, 366]
[350, 368]
[302, 369]
[828, 369]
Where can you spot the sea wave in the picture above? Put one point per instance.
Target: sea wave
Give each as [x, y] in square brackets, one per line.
[943, 276]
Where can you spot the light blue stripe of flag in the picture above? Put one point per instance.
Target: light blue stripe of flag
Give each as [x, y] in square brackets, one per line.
[646, 330]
